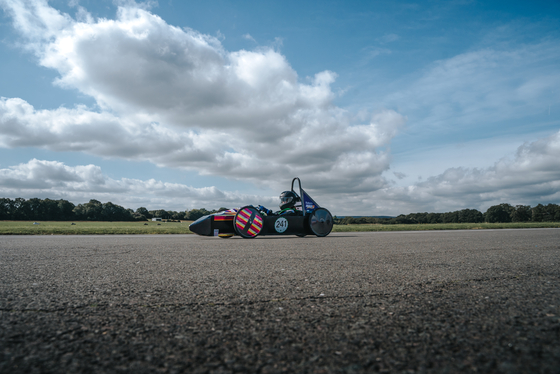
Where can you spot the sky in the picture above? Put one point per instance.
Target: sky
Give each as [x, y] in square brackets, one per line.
[379, 107]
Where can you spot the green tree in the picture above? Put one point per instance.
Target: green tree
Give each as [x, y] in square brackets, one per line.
[65, 210]
[401, 220]
[421, 217]
[21, 209]
[557, 214]
[113, 212]
[521, 213]
[144, 212]
[160, 213]
[6, 208]
[537, 213]
[34, 209]
[350, 220]
[499, 213]
[550, 212]
[110, 212]
[433, 218]
[450, 217]
[194, 214]
[90, 211]
[470, 216]
[49, 210]
[176, 216]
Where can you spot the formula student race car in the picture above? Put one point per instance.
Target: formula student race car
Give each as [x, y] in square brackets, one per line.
[250, 222]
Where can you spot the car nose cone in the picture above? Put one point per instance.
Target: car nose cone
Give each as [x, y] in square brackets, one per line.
[202, 226]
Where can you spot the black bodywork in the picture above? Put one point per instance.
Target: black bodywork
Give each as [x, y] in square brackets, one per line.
[249, 222]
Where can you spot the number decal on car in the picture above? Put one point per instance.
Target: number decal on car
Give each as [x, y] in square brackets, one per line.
[281, 225]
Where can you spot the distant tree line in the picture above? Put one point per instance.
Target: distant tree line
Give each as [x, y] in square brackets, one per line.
[62, 210]
[497, 213]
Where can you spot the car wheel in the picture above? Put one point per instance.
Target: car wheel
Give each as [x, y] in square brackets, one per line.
[321, 222]
[248, 222]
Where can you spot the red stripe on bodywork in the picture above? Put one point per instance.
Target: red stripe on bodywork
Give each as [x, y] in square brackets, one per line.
[223, 218]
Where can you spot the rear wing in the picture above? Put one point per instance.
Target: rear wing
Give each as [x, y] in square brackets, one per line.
[308, 205]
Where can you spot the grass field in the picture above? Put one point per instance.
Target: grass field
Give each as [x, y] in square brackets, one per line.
[111, 228]
[91, 228]
[445, 226]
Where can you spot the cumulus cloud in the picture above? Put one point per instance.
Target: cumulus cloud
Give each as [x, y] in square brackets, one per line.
[177, 98]
[531, 177]
[55, 180]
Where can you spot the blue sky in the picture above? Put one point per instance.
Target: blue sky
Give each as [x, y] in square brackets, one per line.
[380, 107]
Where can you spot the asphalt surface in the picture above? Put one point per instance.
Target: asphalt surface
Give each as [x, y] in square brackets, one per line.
[404, 302]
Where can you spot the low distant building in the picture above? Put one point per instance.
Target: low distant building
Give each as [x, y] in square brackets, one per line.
[156, 219]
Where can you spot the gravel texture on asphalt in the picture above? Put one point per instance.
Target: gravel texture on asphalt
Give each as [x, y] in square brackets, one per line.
[403, 302]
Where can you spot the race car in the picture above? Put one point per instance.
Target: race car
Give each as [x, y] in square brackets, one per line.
[250, 222]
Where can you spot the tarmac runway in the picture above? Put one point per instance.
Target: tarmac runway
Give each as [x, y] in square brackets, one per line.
[404, 302]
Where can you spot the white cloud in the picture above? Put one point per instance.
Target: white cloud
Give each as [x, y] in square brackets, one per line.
[531, 177]
[78, 184]
[249, 37]
[176, 98]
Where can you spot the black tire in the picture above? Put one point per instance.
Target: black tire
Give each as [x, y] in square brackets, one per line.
[321, 222]
[248, 222]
